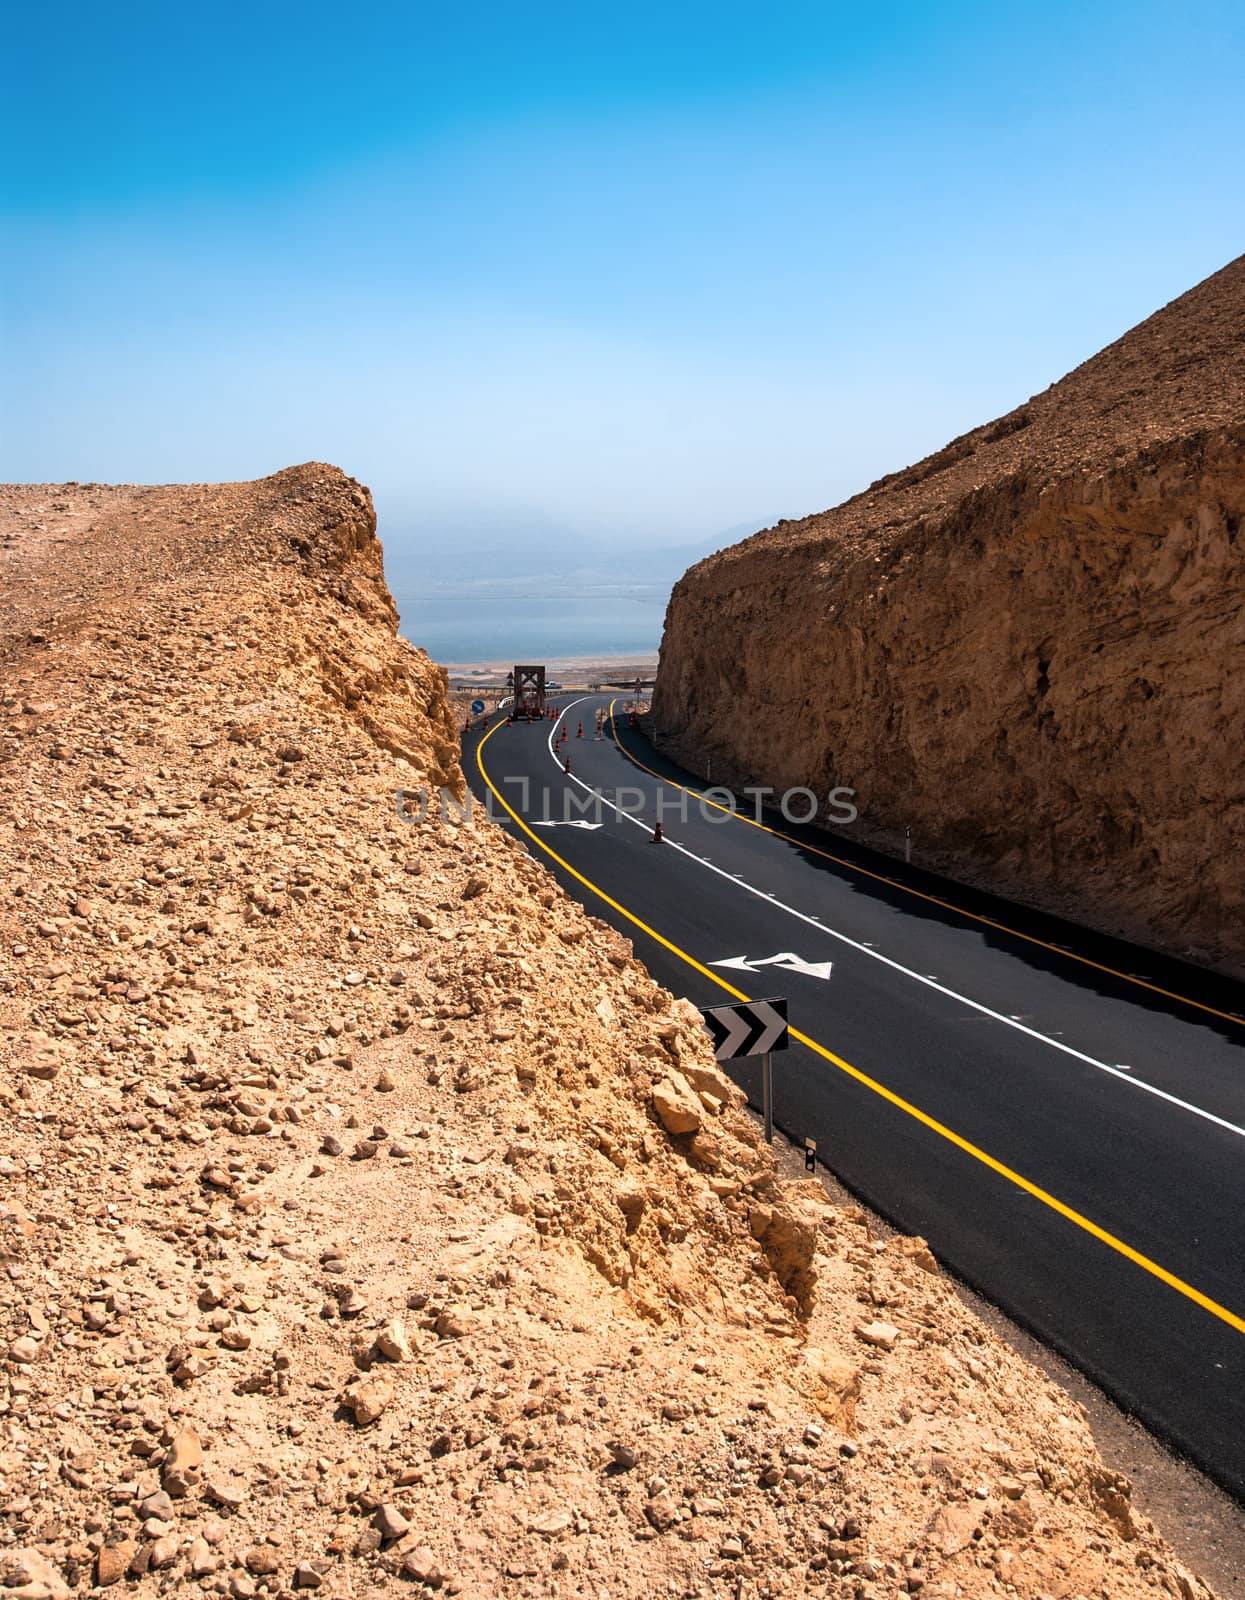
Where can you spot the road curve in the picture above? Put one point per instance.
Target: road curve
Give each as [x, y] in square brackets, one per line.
[1061, 1116]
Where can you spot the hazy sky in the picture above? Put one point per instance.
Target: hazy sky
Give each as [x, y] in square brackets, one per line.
[650, 270]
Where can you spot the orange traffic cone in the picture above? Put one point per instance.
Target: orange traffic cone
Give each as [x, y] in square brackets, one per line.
[580, 734]
[657, 834]
[568, 763]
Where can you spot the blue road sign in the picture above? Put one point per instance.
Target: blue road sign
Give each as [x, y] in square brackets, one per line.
[476, 707]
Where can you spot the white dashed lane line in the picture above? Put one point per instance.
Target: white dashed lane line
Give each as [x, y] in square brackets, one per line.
[1122, 1074]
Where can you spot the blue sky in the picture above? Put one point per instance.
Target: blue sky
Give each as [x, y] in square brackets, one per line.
[586, 271]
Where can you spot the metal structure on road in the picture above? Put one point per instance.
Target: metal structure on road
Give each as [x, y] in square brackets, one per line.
[529, 692]
[750, 1028]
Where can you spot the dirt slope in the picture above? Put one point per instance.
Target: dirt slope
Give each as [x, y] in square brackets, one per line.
[1022, 647]
[371, 1220]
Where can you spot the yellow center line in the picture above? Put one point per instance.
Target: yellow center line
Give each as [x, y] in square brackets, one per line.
[919, 894]
[863, 1078]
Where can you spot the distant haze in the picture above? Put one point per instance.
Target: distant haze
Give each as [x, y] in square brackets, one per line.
[568, 284]
[515, 596]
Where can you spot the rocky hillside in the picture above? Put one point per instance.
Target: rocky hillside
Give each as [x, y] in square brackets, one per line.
[1023, 648]
[371, 1220]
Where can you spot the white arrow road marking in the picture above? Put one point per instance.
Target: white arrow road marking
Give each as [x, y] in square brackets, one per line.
[1054, 1039]
[786, 959]
[573, 824]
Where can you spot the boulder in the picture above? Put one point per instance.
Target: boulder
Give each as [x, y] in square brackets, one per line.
[677, 1106]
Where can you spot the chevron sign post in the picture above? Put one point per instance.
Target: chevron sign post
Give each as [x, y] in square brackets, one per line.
[750, 1028]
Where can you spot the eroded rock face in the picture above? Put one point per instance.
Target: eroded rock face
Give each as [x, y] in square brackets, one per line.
[1021, 648]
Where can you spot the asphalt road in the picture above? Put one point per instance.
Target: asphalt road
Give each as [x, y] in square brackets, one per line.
[1060, 1115]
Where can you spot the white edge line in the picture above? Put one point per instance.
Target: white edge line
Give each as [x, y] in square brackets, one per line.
[876, 955]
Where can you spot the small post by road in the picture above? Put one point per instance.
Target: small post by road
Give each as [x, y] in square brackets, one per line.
[767, 1097]
[907, 845]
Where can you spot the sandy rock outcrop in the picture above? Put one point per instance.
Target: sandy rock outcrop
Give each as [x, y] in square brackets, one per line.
[1022, 648]
[346, 1245]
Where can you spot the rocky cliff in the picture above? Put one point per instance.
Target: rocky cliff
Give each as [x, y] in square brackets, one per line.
[1024, 648]
[370, 1219]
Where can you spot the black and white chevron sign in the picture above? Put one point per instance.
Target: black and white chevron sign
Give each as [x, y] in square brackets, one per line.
[751, 1028]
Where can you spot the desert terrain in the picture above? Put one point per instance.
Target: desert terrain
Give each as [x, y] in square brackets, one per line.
[372, 1222]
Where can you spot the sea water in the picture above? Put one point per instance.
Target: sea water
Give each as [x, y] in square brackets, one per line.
[494, 627]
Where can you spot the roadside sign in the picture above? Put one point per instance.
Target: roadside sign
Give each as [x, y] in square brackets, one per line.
[477, 706]
[750, 1028]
